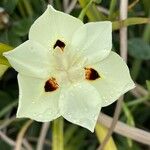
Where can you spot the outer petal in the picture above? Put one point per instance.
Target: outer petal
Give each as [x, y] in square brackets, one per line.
[30, 58]
[54, 25]
[94, 40]
[81, 104]
[34, 103]
[114, 78]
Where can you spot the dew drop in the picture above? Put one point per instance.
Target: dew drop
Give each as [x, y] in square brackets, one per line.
[69, 115]
[62, 96]
[34, 114]
[106, 101]
[40, 115]
[85, 109]
[77, 121]
[103, 97]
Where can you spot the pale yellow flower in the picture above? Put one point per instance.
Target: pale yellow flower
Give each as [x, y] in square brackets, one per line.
[66, 68]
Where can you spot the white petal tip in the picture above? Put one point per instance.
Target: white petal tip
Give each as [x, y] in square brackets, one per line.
[5, 54]
[8, 55]
[130, 86]
[50, 7]
[19, 116]
[91, 129]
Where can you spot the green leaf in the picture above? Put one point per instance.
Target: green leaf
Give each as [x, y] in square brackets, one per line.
[9, 5]
[101, 132]
[70, 131]
[3, 60]
[4, 146]
[139, 49]
[21, 27]
[4, 48]
[92, 12]
[129, 22]
[146, 5]
[10, 37]
[97, 1]
[3, 68]
[7, 108]
[5, 99]
[148, 85]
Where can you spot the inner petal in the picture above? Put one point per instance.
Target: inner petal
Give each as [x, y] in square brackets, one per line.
[51, 85]
[91, 74]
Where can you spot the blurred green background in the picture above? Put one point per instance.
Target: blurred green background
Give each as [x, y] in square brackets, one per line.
[16, 17]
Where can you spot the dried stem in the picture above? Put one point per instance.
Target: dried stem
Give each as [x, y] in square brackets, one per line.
[42, 136]
[27, 145]
[13, 143]
[123, 51]
[123, 31]
[7, 139]
[21, 134]
[7, 122]
[65, 4]
[133, 4]
[71, 7]
[35, 139]
[123, 129]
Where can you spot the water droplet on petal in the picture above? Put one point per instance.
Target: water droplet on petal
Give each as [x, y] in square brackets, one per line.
[35, 114]
[77, 121]
[85, 109]
[103, 97]
[40, 115]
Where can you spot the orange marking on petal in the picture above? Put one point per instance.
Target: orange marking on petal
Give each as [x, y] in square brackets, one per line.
[51, 85]
[60, 44]
[91, 74]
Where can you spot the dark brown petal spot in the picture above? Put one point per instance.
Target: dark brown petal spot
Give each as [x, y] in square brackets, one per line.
[60, 44]
[51, 85]
[91, 74]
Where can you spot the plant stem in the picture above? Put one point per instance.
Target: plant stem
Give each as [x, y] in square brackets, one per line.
[130, 120]
[83, 12]
[101, 132]
[136, 68]
[92, 12]
[21, 134]
[138, 101]
[8, 108]
[112, 8]
[57, 137]
[129, 22]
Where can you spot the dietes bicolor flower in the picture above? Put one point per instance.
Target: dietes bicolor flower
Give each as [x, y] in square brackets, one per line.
[67, 68]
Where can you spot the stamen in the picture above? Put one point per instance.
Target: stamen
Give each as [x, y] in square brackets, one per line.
[60, 44]
[51, 85]
[91, 74]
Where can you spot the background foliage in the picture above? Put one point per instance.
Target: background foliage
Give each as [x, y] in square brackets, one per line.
[16, 17]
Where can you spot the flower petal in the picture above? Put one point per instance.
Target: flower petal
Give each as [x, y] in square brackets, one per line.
[34, 102]
[30, 58]
[114, 78]
[80, 104]
[94, 40]
[54, 25]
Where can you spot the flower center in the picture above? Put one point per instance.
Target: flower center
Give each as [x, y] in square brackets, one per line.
[91, 74]
[51, 85]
